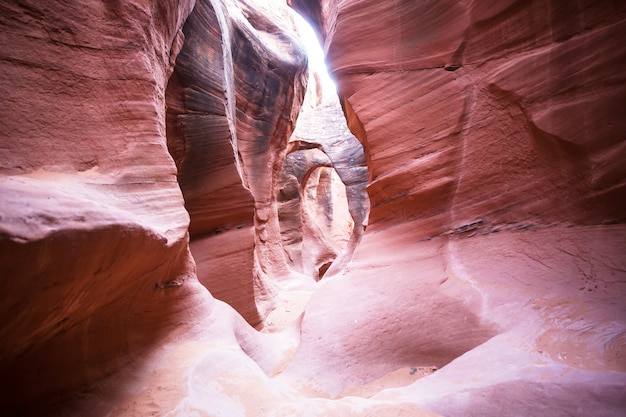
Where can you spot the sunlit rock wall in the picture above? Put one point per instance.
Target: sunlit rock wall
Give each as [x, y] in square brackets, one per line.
[94, 257]
[494, 137]
[526, 95]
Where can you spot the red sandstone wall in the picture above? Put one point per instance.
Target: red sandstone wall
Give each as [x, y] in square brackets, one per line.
[494, 142]
[93, 233]
[503, 114]
[232, 103]
[494, 137]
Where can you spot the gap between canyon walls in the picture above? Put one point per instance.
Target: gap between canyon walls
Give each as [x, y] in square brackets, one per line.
[284, 172]
[237, 88]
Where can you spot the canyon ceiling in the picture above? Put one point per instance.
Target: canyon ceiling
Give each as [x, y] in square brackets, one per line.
[172, 175]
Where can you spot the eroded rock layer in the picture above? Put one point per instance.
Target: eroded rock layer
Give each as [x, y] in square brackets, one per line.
[94, 259]
[232, 103]
[494, 140]
[93, 232]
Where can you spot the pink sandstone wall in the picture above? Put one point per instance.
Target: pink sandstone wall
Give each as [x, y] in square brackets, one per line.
[493, 136]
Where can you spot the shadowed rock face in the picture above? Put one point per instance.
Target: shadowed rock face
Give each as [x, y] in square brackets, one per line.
[231, 103]
[494, 140]
[322, 145]
[201, 124]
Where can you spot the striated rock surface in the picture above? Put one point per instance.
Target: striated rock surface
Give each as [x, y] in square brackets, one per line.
[202, 125]
[324, 205]
[491, 278]
[536, 65]
[232, 102]
[94, 259]
[495, 248]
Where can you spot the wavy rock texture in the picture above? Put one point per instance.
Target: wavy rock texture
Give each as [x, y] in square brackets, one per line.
[494, 143]
[493, 138]
[94, 258]
[202, 126]
[323, 201]
[97, 273]
[232, 103]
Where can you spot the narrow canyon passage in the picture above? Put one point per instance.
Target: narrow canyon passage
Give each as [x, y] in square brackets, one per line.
[312, 185]
[195, 222]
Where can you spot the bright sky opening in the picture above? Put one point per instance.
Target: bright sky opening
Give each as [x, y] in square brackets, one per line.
[315, 54]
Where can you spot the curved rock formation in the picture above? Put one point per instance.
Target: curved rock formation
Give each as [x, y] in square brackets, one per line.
[232, 102]
[306, 190]
[490, 280]
[94, 255]
[493, 141]
[322, 145]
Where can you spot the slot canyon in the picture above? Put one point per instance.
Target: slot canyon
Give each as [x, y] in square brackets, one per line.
[195, 222]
